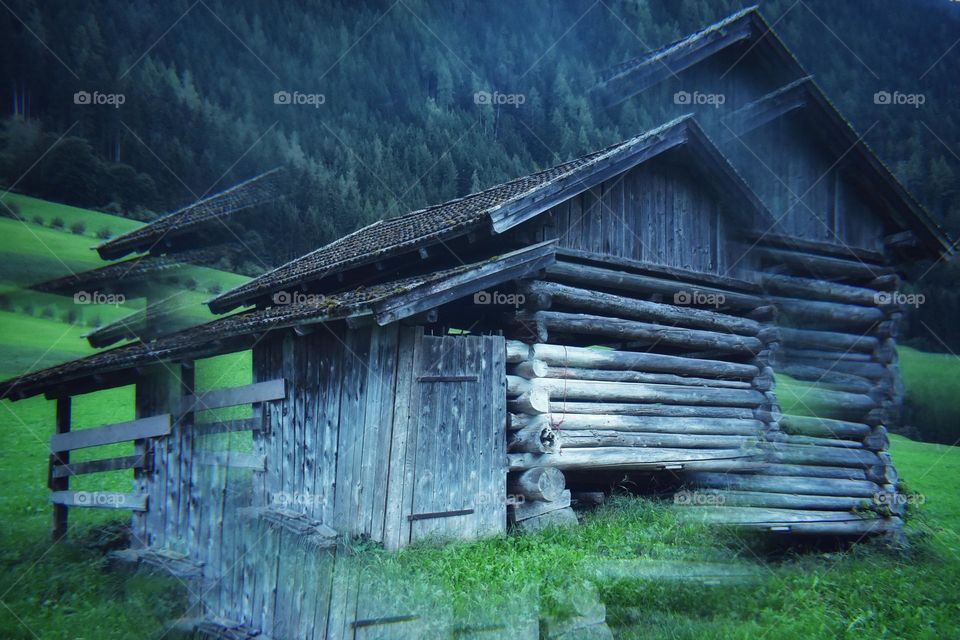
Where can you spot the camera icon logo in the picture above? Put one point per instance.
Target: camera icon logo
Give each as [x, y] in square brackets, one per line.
[682, 297]
[81, 97]
[482, 297]
[282, 97]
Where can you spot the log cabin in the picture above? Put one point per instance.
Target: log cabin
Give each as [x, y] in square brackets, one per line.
[627, 314]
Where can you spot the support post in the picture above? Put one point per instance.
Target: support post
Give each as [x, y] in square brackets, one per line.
[60, 458]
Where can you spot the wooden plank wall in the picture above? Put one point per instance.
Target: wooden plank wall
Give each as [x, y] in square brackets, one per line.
[655, 213]
[803, 187]
[365, 437]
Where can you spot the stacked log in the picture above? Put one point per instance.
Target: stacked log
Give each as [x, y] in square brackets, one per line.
[692, 391]
[620, 410]
[539, 498]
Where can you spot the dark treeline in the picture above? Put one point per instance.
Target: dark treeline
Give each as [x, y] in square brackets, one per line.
[388, 119]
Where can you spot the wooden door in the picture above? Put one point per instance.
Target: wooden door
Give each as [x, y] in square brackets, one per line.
[450, 437]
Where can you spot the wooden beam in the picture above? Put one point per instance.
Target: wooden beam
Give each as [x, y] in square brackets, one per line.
[599, 278]
[64, 410]
[249, 394]
[96, 466]
[111, 434]
[511, 266]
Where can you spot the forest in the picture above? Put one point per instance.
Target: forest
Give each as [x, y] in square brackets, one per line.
[379, 108]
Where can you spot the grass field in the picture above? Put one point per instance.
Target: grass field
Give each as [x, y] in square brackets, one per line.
[38, 330]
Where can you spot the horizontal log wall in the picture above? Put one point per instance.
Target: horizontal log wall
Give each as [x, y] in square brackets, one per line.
[691, 389]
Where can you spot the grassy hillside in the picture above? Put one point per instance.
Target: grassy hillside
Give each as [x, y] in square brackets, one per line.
[933, 390]
[51, 240]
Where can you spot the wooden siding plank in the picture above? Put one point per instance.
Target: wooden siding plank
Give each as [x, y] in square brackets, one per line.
[395, 523]
[151, 427]
[98, 466]
[231, 397]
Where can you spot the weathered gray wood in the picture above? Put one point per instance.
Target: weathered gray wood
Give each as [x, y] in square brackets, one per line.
[640, 332]
[231, 459]
[630, 458]
[814, 289]
[785, 484]
[600, 278]
[541, 438]
[817, 441]
[824, 266]
[869, 370]
[510, 266]
[539, 369]
[227, 426]
[564, 517]
[111, 434]
[570, 422]
[588, 438]
[828, 378]
[648, 267]
[532, 508]
[786, 500]
[100, 499]
[563, 407]
[827, 314]
[599, 391]
[249, 394]
[60, 513]
[97, 466]
[517, 351]
[823, 427]
[540, 483]
[830, 456]
[796, 521]
[832, 340]
[578, 299]
[581, 357]
[817, 471]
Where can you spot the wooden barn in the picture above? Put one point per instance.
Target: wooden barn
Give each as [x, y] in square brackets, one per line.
[490, 359]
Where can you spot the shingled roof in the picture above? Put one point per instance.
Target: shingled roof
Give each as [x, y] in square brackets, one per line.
[384, 303]
[633, 76]
[247, 194]
[397, 235]
[497, 208]
[132, 270]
